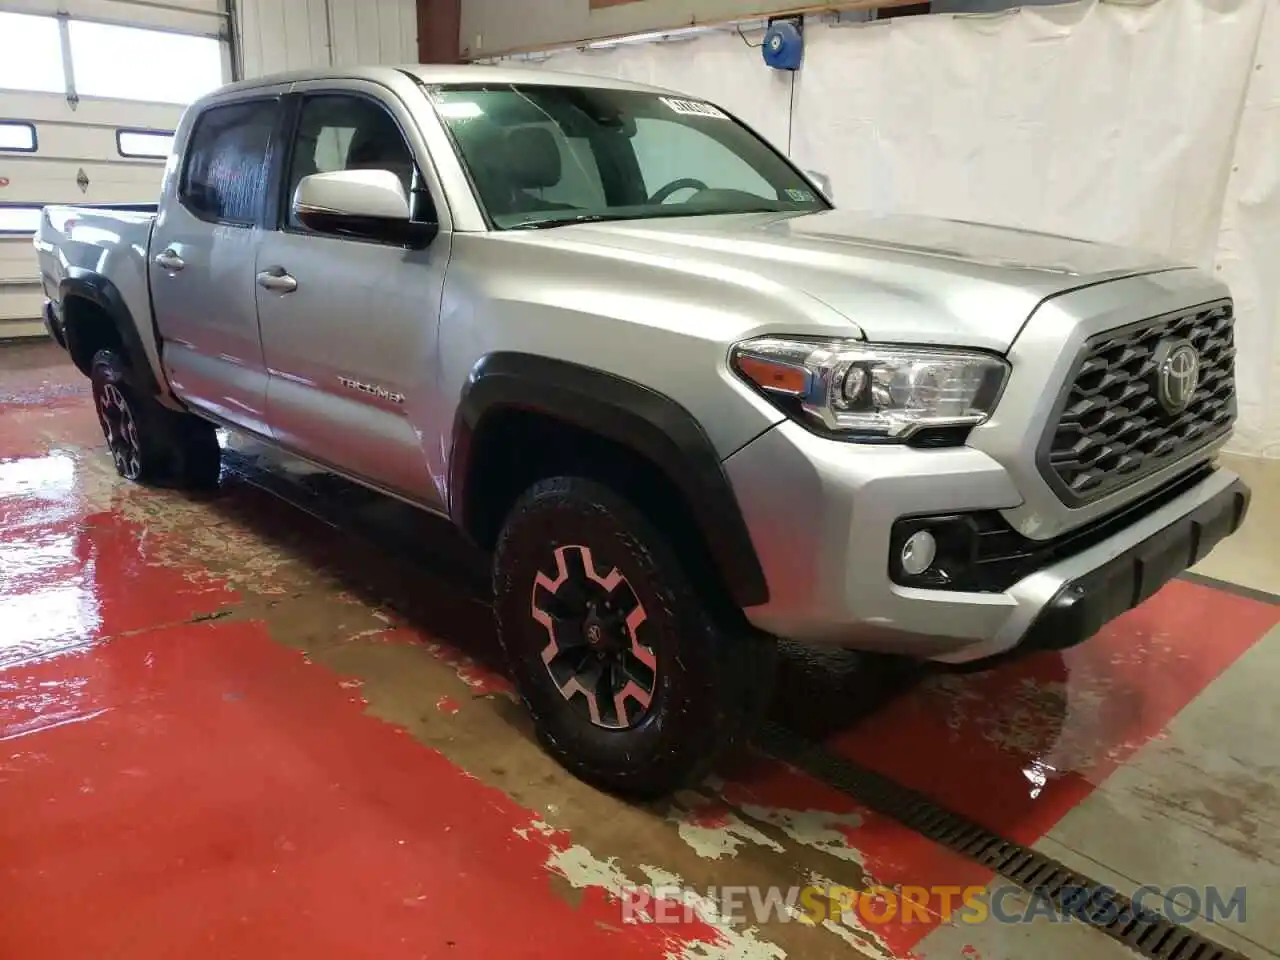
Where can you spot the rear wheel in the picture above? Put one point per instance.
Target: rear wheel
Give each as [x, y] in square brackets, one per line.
[631, 684]
[148, 442]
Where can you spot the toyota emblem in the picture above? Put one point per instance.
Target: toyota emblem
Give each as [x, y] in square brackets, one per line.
[1177, 374]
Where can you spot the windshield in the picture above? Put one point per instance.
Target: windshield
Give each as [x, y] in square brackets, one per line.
[541, 156]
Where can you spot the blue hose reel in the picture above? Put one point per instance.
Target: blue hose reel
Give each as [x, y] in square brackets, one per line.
[784, 44]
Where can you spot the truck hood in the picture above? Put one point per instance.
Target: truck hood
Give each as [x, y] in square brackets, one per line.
[901, 279]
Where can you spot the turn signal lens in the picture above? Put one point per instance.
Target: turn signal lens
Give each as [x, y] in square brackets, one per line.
[773, 376]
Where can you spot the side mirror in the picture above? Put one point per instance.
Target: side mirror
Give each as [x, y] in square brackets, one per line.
[823, 182]
[368, 204]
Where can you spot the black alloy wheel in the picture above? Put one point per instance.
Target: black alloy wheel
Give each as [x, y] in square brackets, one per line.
[120, 427]
[632, 684]
[150, 443]
[594, 651]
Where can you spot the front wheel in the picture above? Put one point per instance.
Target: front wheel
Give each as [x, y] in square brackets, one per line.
[631, 685]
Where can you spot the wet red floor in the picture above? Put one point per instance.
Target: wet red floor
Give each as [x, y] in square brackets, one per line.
[199, 791]
[174, 787]
[177, 787]
[1015, 749]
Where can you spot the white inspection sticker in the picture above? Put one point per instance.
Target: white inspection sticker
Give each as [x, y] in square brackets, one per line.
[694, 108]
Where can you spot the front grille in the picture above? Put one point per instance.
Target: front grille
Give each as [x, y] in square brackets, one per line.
[1112, 430]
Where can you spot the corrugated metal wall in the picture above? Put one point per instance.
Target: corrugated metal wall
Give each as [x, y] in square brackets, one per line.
[278, 35]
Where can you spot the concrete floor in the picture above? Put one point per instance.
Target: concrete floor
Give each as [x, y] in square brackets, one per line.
[268, 723]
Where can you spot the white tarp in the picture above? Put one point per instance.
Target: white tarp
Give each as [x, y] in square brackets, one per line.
[1153, 125]
[1249, 247]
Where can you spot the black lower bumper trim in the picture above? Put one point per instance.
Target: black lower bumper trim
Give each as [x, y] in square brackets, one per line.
[1084, 606]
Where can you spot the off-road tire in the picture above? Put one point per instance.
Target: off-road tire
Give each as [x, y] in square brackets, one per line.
[149, 443]
[711, 682]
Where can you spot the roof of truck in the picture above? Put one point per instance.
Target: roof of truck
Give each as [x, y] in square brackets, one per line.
[445, 73]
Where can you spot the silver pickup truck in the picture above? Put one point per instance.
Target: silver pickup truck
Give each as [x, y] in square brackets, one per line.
[687, 405]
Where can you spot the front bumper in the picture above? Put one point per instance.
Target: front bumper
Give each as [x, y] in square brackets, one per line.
[1085, 603]
[821, 514]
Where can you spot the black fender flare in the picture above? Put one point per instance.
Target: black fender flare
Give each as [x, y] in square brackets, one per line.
[100, 291]
[628, 413]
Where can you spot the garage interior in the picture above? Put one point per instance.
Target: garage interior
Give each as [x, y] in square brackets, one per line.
[273, 721]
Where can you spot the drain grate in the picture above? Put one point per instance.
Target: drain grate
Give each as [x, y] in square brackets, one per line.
[1071, 893]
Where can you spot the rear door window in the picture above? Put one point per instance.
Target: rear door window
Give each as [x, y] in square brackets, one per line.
[225, 179]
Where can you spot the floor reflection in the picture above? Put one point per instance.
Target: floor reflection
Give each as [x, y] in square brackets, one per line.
[47, 597]
[49, 477]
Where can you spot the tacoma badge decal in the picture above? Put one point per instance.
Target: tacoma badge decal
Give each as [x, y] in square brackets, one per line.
[373, 390]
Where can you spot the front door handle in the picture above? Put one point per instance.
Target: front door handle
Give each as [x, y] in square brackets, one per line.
[169, 260]
[277, 281]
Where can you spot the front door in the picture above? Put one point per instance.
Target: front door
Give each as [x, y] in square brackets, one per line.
[202, 258]
[349, 326]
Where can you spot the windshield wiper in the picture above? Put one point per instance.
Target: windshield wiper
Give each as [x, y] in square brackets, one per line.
[676, 210]
[567, 221]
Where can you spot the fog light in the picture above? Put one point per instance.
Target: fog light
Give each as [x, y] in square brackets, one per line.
[918, 553]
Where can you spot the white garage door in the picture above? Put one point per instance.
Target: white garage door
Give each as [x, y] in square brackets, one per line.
[90, 92]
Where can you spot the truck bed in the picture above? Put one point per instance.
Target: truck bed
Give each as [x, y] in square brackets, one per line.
[82, 244]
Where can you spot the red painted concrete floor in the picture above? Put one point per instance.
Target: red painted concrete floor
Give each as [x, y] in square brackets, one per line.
[268, 724]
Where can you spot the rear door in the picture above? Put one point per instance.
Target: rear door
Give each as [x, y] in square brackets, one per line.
[202, 259]
[349, 337]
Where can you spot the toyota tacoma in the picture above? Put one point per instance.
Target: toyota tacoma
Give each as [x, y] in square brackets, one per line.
[686, 404]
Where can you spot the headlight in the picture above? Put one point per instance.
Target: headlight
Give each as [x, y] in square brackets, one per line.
[866, 392]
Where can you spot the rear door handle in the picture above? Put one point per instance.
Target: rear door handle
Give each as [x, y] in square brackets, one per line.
[170, 260]
[277, 280]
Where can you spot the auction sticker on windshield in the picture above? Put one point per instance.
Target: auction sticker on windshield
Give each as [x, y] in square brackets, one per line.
[694, 108]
